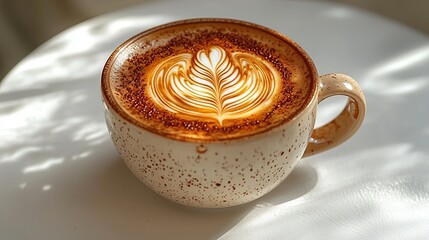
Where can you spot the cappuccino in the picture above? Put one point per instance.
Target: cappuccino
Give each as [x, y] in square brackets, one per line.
[217, 112]
[213, 81]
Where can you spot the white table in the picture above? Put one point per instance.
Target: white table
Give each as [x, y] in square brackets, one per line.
[61, 178]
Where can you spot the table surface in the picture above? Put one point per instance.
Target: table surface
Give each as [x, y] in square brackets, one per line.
[61, 178]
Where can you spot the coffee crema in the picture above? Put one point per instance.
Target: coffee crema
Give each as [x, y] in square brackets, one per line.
[209, 82]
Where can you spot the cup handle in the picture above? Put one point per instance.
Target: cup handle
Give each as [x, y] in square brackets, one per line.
[347, 122]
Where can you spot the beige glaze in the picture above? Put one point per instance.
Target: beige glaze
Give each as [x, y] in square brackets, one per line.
[232, 172]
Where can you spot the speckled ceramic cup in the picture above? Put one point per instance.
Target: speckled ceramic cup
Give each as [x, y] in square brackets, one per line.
[229, 170]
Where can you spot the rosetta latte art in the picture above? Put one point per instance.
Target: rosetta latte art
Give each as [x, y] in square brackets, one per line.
[213, 84]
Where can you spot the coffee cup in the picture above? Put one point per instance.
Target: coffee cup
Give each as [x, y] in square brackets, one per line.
[217, 112]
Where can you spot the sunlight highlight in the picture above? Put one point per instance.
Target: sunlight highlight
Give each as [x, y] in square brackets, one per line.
[81, 56]
[68, 124]
[390, 77]
[22, 186]
[137, 22]
[81, 155]
[43, 166]
[29, 115]
[386, 86]
[338, 12]
[401, 62]
[94, 133]
[24, 151]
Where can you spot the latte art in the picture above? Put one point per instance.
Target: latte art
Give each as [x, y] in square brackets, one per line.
[213, 84]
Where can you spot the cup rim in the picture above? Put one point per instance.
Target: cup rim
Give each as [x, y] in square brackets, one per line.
[109, 100]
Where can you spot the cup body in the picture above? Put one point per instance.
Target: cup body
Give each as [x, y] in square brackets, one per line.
[213, 174]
